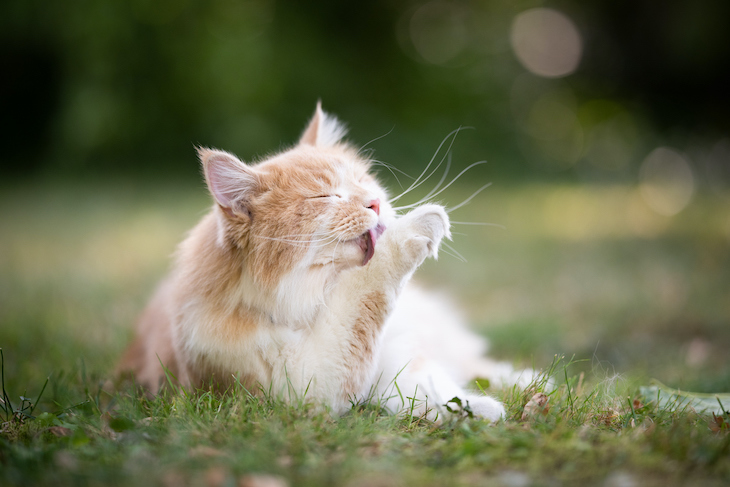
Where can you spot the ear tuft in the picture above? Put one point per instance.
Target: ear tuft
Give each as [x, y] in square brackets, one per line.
[324, 130]
[229, 180]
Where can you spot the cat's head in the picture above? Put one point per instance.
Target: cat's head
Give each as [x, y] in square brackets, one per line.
[314, 206]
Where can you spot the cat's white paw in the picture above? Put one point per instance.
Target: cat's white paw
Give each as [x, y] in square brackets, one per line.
[487, 408]
[423, 230]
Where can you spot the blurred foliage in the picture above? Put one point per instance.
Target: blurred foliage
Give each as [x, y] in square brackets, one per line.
[99, 87]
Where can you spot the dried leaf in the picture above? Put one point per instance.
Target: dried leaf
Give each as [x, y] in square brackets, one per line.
[608, 417]
[718, 423]
[536, 406]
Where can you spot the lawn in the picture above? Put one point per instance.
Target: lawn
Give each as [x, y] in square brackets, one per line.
[584, 282]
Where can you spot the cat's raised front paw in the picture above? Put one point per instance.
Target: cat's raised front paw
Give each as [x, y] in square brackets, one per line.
[424, 228]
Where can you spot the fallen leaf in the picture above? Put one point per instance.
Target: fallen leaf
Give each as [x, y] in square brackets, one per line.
[718, 423]
[538, 405]
[637, 404]
[608, 417]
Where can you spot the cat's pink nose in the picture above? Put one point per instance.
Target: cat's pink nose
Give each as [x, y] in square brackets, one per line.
[375, 206]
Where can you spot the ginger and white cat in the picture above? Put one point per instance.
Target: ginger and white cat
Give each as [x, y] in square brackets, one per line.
[297, 282]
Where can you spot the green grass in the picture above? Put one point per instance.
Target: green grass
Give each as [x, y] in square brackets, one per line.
[576, 272]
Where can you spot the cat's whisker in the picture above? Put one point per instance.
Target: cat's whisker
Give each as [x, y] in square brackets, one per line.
[425, 200]
[375, 139]
[303, 246]
[455, 252]
[420, 180]
[466, 201]
[441, 181]
[317, 233]
[293, 238]
[392, 170]
[452, 253]
[479, 163]
[444, 251]
[334, 253]
[296, 240]
[480, 224]
[378, 162]
[303, 243]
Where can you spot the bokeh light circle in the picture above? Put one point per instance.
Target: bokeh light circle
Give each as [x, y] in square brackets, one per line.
[438, 31]
[666, 181]
[546, 42]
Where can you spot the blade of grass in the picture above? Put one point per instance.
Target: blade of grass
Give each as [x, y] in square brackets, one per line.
[33, 405]
[8, 405]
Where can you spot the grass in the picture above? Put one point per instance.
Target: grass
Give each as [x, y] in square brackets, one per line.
[584, 273]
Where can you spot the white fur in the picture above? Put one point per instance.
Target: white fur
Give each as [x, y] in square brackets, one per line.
[331, 130]
[428, 349]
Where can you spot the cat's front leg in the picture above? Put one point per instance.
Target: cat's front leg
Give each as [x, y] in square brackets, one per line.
[414, 237]
[399, 252]
[346, 338]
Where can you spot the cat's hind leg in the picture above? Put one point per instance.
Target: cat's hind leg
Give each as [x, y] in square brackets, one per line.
[423, 388]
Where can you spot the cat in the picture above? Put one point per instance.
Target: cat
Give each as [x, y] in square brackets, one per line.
[297, 282]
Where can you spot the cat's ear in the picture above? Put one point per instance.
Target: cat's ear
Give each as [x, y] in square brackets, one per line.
[323, 130]
[230, 181]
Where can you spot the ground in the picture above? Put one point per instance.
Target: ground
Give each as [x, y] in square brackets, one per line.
[585, 283]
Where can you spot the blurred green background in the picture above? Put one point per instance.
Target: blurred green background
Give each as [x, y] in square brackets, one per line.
[605, 126]
[586, 90]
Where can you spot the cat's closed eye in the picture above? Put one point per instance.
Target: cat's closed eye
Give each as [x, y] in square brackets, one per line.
[325, 196]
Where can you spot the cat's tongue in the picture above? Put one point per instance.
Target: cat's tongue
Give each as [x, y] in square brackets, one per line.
[370, 237]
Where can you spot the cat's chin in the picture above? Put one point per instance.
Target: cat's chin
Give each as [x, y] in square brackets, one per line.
[367, 241]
